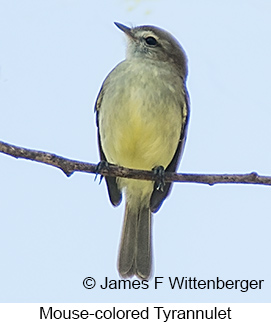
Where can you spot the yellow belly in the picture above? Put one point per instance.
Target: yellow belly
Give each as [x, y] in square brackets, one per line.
[141, 138]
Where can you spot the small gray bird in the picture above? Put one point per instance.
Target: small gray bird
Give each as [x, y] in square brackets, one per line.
[142, 114]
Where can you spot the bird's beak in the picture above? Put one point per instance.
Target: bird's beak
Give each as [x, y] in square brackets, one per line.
[125, 29]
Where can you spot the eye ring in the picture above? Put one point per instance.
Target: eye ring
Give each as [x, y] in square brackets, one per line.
[151, 41]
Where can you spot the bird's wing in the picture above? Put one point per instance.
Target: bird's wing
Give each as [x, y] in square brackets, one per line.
[159, 196]
[112, 187]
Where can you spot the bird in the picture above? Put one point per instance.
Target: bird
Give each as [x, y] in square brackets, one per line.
[142, 113]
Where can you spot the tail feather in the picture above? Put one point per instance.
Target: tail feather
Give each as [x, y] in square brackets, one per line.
[127, 243]
[135, 245]
[143, 247]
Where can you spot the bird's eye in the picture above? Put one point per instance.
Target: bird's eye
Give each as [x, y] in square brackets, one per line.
[151, 41]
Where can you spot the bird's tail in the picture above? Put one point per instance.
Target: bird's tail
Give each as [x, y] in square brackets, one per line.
[135, 254]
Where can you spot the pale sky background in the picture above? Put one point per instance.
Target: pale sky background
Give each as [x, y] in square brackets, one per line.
[54, 230]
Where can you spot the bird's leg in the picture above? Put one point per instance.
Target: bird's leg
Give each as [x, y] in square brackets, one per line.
[159, 183]
[103, 164]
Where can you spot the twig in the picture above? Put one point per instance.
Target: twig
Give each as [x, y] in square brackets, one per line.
[69, 166]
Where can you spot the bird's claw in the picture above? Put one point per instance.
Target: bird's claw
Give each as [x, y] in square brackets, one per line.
[159, 172]
[103, 164]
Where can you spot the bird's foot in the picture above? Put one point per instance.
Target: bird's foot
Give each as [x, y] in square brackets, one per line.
[159, 172]
[103, 164]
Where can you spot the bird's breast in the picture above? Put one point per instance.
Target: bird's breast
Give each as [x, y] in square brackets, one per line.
[140, 119]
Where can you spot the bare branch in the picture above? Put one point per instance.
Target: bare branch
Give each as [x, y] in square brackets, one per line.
[69, 166]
